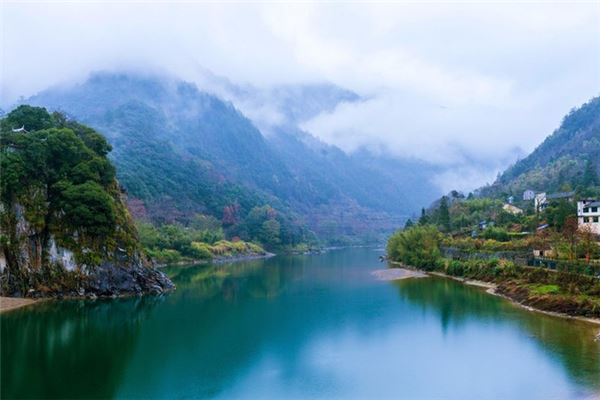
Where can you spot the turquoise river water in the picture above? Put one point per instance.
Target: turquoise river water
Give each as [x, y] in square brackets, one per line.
[317, 326]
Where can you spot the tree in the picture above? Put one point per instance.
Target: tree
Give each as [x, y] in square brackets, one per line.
[570, 233]
[424, 219]
[444, 214]
[588, 242]
[558, 213]
[408, 224]
[31, 118]
[590, 175]
[417, 246]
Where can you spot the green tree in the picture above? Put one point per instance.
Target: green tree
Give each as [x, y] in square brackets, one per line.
[31, 118]
[444, 214]
[418, 246]
[590, 175]
[424, 219]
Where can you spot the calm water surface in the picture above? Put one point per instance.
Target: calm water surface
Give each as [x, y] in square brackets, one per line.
[297, 327]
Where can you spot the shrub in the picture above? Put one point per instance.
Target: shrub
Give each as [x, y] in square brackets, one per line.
[200, 251]
[417, 246]
[499, 234]
[455, 268]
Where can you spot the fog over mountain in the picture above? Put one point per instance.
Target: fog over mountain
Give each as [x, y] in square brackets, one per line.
[443, 84]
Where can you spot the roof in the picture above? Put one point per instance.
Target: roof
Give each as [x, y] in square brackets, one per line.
[592, 204]
[560, 195]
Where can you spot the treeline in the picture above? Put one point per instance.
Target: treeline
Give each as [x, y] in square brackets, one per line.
[202, 240]
[484, 218]
[576, 293]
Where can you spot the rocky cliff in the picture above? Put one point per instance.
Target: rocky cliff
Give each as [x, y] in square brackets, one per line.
[64, 228]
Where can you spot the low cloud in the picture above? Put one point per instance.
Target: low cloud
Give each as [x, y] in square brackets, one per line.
[467, 86]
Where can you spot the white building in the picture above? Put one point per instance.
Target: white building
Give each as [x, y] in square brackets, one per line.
[539, 201]
[528, 195]
[542, 200]
[588, 215]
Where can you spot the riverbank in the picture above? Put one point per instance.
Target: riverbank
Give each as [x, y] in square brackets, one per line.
[492, 289]
[519, 294]
[12, 303]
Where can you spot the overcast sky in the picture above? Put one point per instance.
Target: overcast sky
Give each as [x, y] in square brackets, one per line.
[470, 86]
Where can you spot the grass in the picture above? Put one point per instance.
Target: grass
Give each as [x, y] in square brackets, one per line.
[544, 289]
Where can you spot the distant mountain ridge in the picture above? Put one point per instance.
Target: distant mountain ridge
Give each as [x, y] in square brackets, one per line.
[181, 151]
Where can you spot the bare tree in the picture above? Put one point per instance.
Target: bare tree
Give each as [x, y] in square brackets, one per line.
[588, 240]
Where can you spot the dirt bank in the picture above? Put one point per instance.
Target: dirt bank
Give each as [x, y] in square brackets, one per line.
[12, 303]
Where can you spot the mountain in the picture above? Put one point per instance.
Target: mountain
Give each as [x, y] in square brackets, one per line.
[65, 228]
[181, 151]
[569, 158]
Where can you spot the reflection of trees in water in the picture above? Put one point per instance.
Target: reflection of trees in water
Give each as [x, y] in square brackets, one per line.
[256, 278]
[72, 349]
[570, 340]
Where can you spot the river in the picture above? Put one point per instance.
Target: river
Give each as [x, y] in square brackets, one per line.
[316, 326]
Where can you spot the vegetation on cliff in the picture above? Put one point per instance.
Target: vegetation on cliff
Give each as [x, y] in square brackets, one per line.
[62, 213]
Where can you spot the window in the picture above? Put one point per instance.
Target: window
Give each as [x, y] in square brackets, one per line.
[594, 209]
[595, 219]
[586, 219]
[586, 210]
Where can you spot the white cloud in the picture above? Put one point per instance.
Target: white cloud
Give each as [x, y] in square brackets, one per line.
[463, 85]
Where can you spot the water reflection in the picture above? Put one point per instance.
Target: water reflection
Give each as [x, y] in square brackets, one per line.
[69, 349]
[570, 341]
[302, 326]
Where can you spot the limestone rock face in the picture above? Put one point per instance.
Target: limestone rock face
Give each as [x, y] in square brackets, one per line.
[23, 271]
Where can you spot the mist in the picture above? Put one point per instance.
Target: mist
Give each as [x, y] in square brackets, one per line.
[468, 87]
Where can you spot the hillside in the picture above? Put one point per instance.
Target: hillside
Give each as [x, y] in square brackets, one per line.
[561, 161]
[180, 151]
[64, 225]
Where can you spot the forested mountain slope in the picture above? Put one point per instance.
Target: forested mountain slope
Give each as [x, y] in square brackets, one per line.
[181, 151]
[561, 161]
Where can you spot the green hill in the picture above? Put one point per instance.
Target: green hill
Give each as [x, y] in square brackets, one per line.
[568, 158]
[180, 152]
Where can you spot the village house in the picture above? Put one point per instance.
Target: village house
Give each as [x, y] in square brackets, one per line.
[544, 252]
[588, 215]
[528, 195]
[543, 200]
[512, 209]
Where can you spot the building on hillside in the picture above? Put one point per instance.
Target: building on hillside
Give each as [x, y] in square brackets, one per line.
[510, 199]
[544, 252]
[539, 201]
[588, 215]
[528, 195]
[543, 200]
[512, 209]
